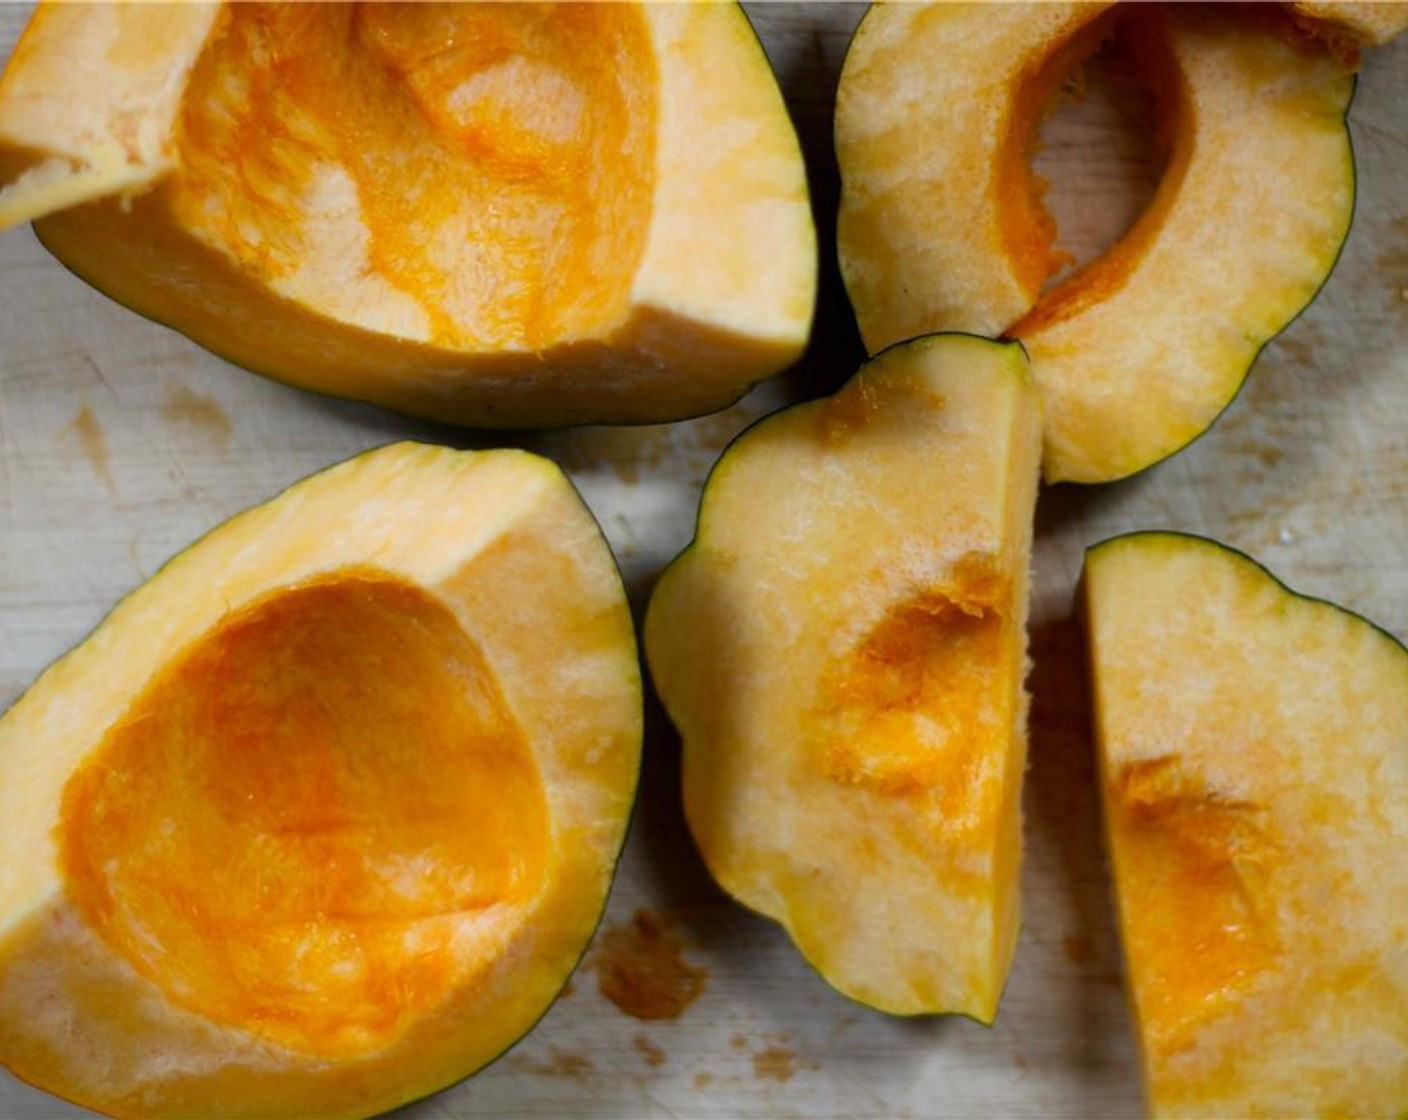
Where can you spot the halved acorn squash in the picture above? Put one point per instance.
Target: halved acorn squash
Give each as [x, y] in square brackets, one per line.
[321, 818]
[491, 214]
[941, 225]
[842, 649]
[1254, 767]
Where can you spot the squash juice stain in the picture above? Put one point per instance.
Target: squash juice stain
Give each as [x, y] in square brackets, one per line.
[94, 444]
[1393, 264]
[777, 1060]
[186, 406]
[642, 970]
[653, 1055]
[775, 1063]
[779, 1063]
[1079, 949]
[558, 1063]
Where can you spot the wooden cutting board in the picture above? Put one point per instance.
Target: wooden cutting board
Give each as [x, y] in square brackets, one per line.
[121, 442]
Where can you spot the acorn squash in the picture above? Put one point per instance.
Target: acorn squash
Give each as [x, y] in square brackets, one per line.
[321, 818]
[941, 225]
[1254, 769]
[489, 214]
[842, 650]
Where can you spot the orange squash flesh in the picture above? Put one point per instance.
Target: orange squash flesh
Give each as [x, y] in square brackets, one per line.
[322, 817]
[287, 827]
[842, 650]
[1254, 770]
[941, 225]
[502, 172]
[497, 214]
[1101, 278]
[932, 233]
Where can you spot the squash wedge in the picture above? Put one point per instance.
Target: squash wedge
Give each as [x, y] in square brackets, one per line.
[501, 215]
[1254, 770]
[842, 650]
[321, 818]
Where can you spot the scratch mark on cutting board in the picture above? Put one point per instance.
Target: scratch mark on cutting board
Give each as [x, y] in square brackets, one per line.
[97, 371]
[94, 444]
[186, 406]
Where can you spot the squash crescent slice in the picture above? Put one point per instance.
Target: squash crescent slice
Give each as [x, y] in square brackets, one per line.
[1136, 354]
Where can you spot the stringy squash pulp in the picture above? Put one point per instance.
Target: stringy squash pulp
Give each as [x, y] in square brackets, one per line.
[495, 214]
[321, 818]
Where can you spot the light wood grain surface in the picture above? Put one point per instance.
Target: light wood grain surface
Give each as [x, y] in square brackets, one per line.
[121, 442]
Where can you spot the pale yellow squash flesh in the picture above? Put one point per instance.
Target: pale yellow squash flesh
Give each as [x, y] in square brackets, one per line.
[938, 227]
[321, 818]
[842, 649]
[568, 215]
[1371, 24]
[941, 225]
[1254, 769]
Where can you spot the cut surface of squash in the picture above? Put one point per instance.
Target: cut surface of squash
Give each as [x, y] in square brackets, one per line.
[842, 650]
[1254, 770]
[1370, 24]
[941, 225]
[501, 214]
[321, 818]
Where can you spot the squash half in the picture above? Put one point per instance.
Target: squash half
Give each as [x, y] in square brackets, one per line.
[321, 818]
[1254, 768]
[941, 226]
[493, 214]
[842, 649]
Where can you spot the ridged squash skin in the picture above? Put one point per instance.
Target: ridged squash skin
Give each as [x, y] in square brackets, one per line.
[320, 818]
[486, 214]
[842, 649]
[1254, 771]
[941, 226]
